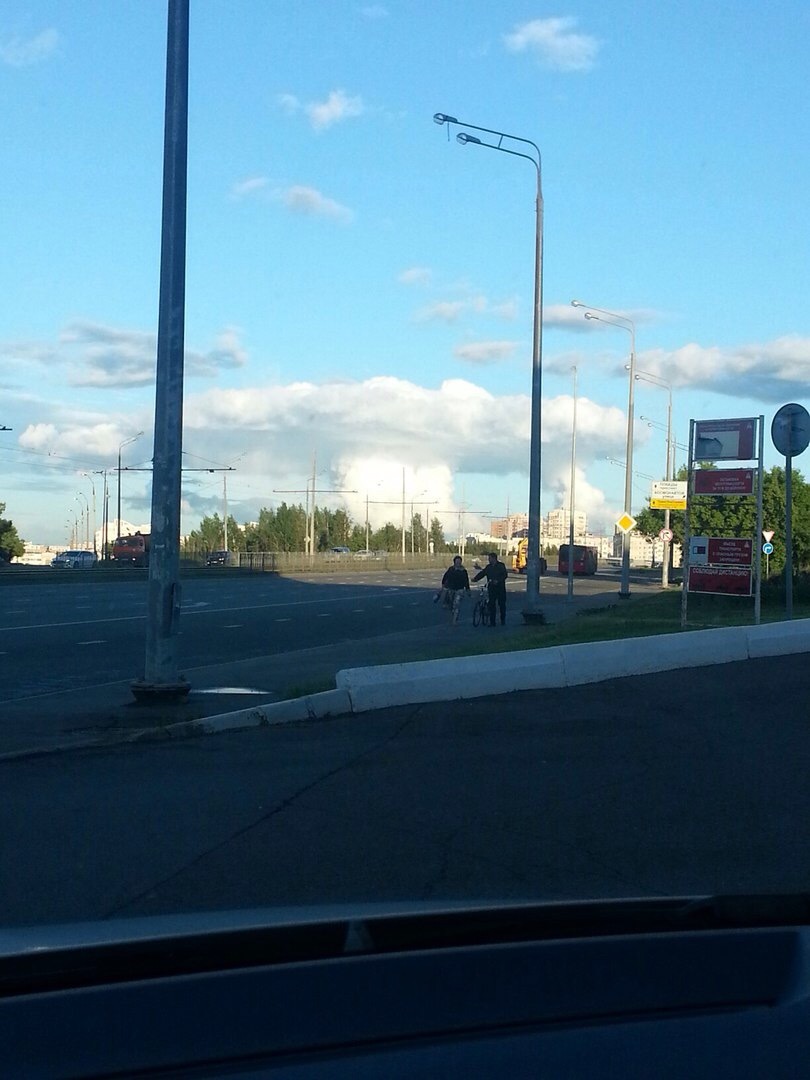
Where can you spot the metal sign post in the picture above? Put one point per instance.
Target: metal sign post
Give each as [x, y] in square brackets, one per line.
[790, 431]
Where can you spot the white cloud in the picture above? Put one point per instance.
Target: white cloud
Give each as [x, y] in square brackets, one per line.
[251, 185]
[772, 371]
[337, 107]
[306, 200]
[415, 275]
[442, 311]
[101, 356]
[485, 352]
[555, 43]
[17, 52]
[506, 309]
[288, 102]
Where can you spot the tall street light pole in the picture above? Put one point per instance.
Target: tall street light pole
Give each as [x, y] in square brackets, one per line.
[161, 679]
[531, 612]
[85, 519]
[613, 318]
[126, 442]
[655, 380]
[87, 476]
[572, 497]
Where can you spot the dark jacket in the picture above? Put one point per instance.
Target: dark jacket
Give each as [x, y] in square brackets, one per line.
[456, 578]
[496, 575]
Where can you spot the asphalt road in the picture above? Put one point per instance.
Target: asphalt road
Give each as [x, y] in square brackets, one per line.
[90, 631]
[678, 783]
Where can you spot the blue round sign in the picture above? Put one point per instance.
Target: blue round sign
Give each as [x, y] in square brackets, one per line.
[767, 549]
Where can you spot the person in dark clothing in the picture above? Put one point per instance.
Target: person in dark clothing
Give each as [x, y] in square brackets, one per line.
[496, 574]
[456, 580]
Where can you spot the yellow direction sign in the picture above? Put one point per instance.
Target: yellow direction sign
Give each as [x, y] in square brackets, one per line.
[626, 522]
[668, 495]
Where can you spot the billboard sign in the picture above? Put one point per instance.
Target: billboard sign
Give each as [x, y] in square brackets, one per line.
[725, 440]
[724, 481]
[668, 495]
[724, 580]
[729, 551]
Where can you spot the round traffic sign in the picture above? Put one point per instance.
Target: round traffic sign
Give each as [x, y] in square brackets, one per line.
[666, 535]
[767, 549]
[790, 430]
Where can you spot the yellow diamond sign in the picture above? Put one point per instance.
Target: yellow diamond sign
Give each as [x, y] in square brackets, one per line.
[626, 523]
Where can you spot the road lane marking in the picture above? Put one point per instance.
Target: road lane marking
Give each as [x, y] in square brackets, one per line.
[324, 614]
[98, 641]
[282, 620]
[211, 611]
[233, 626]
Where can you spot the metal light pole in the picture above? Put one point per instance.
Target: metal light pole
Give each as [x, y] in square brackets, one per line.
[161, 679]
[612, 318]
[532, 612]
[655, 380]
[572, 497]
[93, 486]
[126, 442]
[85, 520]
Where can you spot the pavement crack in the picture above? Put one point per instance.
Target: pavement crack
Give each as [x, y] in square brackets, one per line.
[279, 808]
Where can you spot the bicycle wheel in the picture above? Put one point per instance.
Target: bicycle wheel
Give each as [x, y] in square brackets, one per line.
[484, 613]
[477, 614]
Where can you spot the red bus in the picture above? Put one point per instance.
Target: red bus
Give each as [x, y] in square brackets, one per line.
[586, 559]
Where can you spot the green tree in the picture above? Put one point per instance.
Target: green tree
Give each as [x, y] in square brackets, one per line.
[11, 546]
[388, 538]
[437, 536]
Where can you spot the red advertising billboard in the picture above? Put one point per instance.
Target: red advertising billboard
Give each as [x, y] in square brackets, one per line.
[726, 580]
[729, 551]
[724, 481]
[725, 440]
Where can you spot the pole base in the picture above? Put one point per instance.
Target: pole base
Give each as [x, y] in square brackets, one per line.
[146, 693]
[533, 617]
[624, 595]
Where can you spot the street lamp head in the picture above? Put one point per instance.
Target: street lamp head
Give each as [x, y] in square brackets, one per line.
[443, 118]
[589, 315]
[577, 303]
[463, 137]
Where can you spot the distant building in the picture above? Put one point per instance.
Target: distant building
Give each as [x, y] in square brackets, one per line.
[506, 527]
[557, 525]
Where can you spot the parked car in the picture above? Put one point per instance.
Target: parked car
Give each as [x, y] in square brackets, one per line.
[74, 560]
[364, 553]
[217, 558]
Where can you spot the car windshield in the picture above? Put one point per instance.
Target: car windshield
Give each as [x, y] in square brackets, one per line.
[333, 293]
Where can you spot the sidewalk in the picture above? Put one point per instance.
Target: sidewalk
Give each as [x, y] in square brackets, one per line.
[107, 712]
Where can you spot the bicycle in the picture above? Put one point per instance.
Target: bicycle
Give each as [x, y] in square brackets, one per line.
[480, 613]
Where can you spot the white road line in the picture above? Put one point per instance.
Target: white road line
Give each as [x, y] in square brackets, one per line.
[98, 641]
[207, 611]
[233, 626]
[282, 620]
[358, 611]
[324, 614]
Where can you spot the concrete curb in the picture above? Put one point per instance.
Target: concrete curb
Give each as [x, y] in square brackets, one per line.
[565, 665]
[361, 690]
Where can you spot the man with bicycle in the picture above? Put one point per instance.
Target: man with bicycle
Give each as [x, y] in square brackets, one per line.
[455, 582]
[496, 573]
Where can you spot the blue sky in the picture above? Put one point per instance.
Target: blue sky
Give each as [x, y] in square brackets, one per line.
[359, 286]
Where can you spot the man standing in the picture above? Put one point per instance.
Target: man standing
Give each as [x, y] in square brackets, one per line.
[496, 574]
